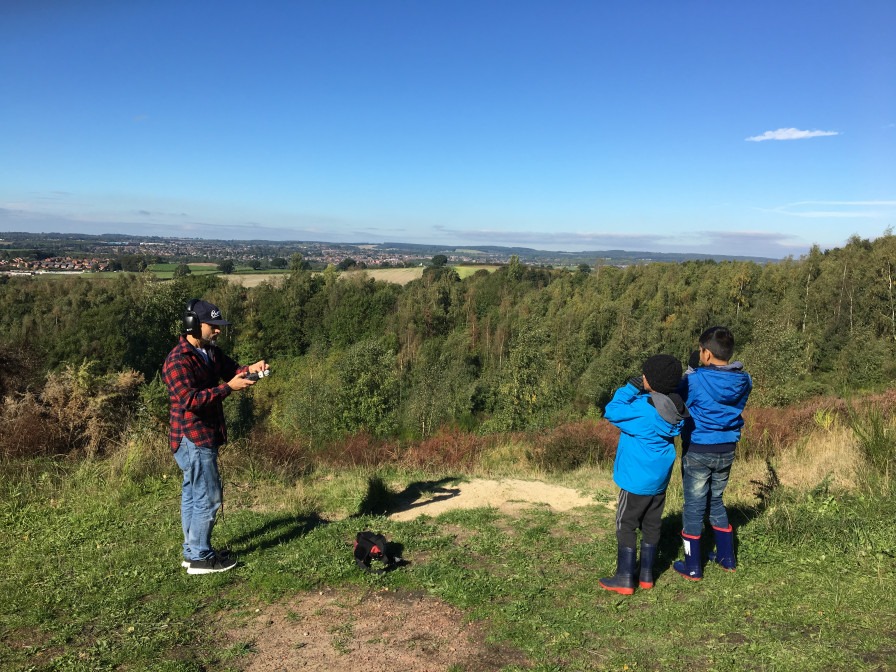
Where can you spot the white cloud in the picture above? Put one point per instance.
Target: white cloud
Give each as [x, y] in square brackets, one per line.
[789, 134]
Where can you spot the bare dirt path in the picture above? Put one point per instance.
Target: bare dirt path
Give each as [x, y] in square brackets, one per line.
[374, 628]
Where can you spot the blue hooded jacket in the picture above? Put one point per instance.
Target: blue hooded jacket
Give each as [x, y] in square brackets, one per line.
[715, 397]
[646, 451]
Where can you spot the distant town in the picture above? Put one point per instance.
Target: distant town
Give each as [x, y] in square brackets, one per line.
[27, 253]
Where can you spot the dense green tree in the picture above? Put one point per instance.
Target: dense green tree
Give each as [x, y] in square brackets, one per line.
[367, 391]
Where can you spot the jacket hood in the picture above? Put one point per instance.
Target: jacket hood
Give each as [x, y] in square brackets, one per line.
[723, 386]
[670, 407]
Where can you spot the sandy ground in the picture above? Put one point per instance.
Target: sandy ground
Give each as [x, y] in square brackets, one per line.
[506, 495]
[378, 627]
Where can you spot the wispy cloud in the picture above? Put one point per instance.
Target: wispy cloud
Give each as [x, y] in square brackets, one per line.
[750, 243]
[837, 209]
[789, 134]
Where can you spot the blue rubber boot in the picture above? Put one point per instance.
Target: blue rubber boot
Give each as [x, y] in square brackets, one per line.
[724, 553]
[648, 555]
[624, 580]
[691, 567]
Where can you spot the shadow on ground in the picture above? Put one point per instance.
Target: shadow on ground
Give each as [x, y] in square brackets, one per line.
[282, 530]
[380, 500]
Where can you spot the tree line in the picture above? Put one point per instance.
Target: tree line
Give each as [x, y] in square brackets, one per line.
[520, 348]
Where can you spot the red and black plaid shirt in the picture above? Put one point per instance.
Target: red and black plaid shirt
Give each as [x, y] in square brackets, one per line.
[196, 394]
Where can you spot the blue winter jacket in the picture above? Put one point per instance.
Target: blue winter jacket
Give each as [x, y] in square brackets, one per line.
[646, 452]
[715, 397]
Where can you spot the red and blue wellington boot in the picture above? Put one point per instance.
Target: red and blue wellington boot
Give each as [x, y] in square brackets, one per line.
[691, 567]
[724, 553]
[648, 555]
[623, 582]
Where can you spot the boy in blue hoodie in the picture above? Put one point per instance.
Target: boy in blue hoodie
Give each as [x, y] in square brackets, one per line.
[650, 415]
[715, 392]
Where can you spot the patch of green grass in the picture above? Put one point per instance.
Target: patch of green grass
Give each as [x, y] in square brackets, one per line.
[90, 578]
[467, 271]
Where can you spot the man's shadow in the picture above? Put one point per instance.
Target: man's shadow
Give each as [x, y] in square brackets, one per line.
[380, 500]
[277, 531]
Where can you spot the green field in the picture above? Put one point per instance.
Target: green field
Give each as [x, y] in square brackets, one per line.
[166, 271]
[90, 578]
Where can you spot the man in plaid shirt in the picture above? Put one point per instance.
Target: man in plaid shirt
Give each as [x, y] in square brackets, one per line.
[193, 372]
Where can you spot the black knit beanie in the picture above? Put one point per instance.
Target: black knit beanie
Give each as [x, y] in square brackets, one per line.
[663, 373]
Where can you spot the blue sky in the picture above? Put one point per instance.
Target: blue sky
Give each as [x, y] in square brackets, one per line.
[731, 128]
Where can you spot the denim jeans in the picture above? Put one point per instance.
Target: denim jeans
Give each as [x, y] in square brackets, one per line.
[200, 497]
[704, 478]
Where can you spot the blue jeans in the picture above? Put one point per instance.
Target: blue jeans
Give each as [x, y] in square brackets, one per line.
[704, 477]
[200, 498]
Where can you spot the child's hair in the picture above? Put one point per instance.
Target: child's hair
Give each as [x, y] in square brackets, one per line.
[719, 341]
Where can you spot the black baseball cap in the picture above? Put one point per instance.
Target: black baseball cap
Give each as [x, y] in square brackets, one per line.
[209, 313]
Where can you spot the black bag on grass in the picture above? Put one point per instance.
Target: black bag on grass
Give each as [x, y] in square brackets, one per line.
[370, 546]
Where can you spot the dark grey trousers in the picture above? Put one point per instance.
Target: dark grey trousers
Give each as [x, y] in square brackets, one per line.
[644, 512]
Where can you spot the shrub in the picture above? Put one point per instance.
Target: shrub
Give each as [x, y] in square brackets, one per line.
[279, 454]
[769, 430]
[20, 418]
[449, 447]
[91, 411]
[575, 444]
[359, 450]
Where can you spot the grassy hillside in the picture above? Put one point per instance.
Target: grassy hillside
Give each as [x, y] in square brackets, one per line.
[91, 579]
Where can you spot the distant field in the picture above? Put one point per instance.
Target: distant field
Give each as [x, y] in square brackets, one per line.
[399, 276]
[254, 279]
[248, 278]
[166, 271]
[402, 276]
[467, 271]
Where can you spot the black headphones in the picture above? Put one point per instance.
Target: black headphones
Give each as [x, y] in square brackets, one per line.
[192, 325]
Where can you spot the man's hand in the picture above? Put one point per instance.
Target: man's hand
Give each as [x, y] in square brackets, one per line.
[240, 382]
[258, 366]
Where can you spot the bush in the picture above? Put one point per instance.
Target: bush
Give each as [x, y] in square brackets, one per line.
[77, 411]
[576, 444]
[92, 411]
[359, 450]
[448, 448]
[19, 416]
[769, 430]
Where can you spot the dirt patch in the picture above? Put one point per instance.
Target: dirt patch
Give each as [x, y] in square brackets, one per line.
[506, 495]
[326, 631]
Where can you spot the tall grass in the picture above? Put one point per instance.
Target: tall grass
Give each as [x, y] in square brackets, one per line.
[875, 435]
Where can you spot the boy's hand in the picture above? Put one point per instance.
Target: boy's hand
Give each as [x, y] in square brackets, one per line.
[694, 359]
[637, 381]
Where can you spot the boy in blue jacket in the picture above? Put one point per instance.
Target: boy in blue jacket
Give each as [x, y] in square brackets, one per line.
[650, 415]
[715, 392]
